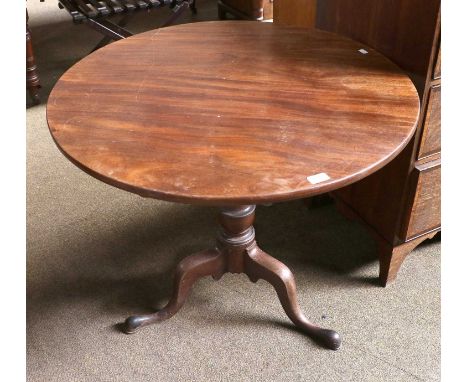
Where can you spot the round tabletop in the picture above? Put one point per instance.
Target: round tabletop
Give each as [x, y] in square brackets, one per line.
[232, 112]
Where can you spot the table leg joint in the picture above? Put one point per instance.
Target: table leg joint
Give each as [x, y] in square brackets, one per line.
[237, 252]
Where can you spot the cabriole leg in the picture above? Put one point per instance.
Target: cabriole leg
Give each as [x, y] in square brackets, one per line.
[237, 252]
[189, 270]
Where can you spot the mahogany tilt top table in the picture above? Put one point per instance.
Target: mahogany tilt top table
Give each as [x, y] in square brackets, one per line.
[195, 113]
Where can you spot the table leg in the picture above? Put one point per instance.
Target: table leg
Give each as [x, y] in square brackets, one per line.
[260, 265]
[189, 270]
[237, 252]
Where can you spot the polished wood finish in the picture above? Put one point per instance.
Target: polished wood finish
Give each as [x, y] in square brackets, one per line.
[399, 203]
[399, 28]
[430, 137]
[246, 9]
[300, 13]
[192, 268]
[391, 257]
[425, 205]
[222, 128]
[370, 197]
[32, 78]
[237, 252]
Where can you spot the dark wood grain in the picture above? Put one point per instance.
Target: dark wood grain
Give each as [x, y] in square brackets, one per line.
[408, 32]
[391, 257]
[397, 28]
[425, 206]
[196, 113]
[378, 198]
[430, 137]
[194, 267]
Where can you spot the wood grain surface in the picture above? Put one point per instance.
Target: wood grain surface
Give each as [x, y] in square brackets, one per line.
[396, 28]
[196, 113]
[431, 135]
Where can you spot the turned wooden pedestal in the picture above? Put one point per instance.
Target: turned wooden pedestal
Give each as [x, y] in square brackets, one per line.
[237, 252]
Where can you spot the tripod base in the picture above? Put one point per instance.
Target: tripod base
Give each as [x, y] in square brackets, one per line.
[237, 252]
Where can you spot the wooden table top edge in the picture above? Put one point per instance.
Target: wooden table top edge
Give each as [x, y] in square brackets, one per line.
[213, 200]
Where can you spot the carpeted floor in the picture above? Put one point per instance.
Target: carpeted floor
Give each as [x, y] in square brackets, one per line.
[97, 254]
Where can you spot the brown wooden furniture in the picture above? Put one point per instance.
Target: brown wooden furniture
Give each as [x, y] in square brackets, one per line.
[246, 9]
[309, 115]
[32, 78]
[400, 204]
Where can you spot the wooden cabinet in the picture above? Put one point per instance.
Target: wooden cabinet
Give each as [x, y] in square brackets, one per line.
[400, 204]
[246, 9]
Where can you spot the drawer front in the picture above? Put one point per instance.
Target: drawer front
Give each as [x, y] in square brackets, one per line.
[425, 209]
[430, 139]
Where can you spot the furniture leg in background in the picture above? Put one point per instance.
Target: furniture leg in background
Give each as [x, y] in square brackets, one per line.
[32, 78]
[96, 14]
[392, 256]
